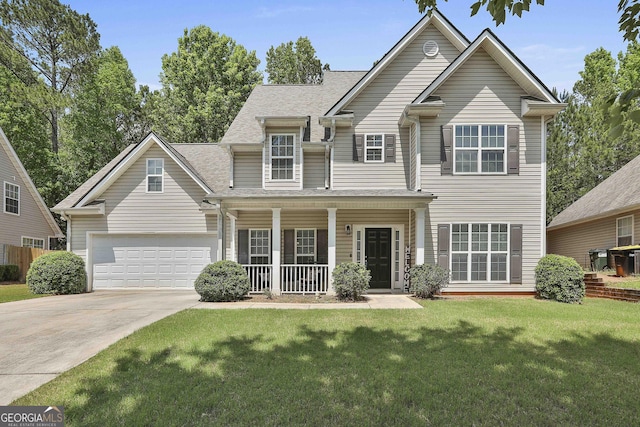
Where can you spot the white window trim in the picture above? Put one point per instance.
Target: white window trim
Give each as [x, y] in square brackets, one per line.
[381, 148]
[315, 244]
[22, 238]
[4, 198]
[480, 149]
[292, 157]
[153, 175]
[489, 252]
[618, 229]
[268, 230]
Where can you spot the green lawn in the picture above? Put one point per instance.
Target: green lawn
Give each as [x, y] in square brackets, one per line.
[629, 284]
[476, 361]
[10, 293]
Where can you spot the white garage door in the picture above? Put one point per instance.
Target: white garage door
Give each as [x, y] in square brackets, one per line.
[135, 261]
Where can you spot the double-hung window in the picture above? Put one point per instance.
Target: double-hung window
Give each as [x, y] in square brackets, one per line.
[11, 198]
[480, 149]
[259, 246]
[155, 173]
[305, 246]
[373, 147]
[624, 227]
[479, 252]
[32, 242]
[282, 157]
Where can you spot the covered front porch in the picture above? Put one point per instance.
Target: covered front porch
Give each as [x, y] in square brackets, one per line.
[293, 244]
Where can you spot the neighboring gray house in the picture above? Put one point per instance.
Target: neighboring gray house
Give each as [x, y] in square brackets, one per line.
[25, 219]
[606, 217]
[435, 155]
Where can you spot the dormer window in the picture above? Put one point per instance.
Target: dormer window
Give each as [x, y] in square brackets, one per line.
[282, 157]
[373, 148]
[155, 174]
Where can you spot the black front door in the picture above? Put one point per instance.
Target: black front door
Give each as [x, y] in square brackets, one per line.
[378, 256]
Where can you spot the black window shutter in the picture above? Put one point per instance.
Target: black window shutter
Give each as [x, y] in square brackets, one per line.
[358, 147]
[307, 130]
[390, 148]
[516, 254]
[443, 245]
[513, 149]
[243, 246]
[446, 152]
[289, 246]
[322, 246]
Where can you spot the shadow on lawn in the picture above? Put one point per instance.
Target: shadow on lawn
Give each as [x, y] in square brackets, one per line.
[461, 375]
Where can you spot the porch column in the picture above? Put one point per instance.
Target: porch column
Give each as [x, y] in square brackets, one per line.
[331, 244]
[232, 238]
[275, 255]
[419, 260]
[220, 229]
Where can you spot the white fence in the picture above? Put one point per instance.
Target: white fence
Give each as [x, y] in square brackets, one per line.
[294, 278]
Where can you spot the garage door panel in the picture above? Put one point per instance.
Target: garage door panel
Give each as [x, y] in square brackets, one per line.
[166, 261]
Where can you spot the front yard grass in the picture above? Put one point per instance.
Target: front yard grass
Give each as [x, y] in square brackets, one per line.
[472, 361]
[10, 293]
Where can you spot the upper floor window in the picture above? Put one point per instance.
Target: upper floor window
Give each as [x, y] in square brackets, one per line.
[305, 246]
[282, 157]
[480, 149]
[32, 242]
[479, 252]
[625, 231]
[373, 148]
[11, 198]
[155, 174]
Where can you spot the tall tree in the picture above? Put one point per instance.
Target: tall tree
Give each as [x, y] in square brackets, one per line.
[296, 63]
[58, 43]
[103, 117]
[204, 85]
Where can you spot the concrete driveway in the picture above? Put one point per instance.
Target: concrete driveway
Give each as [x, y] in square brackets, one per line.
[42, 338]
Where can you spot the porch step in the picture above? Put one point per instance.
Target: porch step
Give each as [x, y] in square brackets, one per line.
[596, 288]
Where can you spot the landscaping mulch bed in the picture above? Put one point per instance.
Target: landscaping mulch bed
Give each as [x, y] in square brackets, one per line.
[297, 299]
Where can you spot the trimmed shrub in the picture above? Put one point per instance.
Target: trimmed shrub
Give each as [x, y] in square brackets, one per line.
[350, 281]
[427, 280]
[57, 273]
[9, 273]
[222, 281]
[560, 278]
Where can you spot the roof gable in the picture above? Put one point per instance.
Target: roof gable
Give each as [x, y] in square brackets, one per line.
[504, 57]
[26, 179]
[130, 157]
[436, 19]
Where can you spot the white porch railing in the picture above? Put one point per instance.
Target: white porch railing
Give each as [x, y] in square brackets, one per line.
[304, 279]
[259, 276]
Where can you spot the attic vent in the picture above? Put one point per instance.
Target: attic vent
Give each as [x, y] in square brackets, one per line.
[430, 48]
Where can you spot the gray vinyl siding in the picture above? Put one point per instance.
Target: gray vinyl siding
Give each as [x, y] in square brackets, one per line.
[313, 176]
[31, 222]
[378, 108]
[294, 184]
[129, 209]
[481, 92]
[247, 170]
[576, 241]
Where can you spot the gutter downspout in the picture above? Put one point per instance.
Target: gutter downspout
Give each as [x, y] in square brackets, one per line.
[329, 168]
[418, 163]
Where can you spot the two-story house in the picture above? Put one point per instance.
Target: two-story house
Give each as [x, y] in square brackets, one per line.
[435, 155]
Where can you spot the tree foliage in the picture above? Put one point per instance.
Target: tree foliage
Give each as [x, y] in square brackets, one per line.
[57, 42]
[204, 85]
[297, 63]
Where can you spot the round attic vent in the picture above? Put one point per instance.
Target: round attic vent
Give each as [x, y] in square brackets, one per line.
[430, 48]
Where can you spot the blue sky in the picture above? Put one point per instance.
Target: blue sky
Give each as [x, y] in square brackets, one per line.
[350, 35]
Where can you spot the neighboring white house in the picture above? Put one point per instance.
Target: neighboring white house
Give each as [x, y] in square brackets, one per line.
[25, 219]
[435, 155]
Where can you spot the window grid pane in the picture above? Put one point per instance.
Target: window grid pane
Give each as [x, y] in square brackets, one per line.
[479, 267]
[460, 237]
[282, 149]
[485, 258]
[492, 136]
[480, 149]
[259, 246]
[373, 148]
[305, 246]
[155, 170]
[459, 267]
[479, 237]
[11, 198]
[499, 267]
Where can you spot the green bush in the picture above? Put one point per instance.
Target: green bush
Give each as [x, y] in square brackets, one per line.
[560, 278]
[222, 281]
[350, 281]
[57, 273]
[9, 273]
[427, 280]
